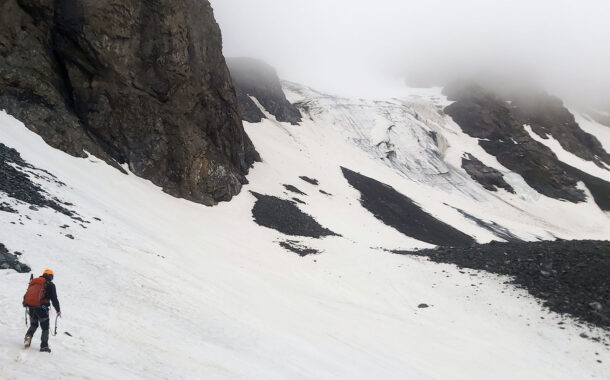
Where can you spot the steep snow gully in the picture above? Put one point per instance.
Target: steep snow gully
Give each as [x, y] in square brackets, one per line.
[158, 287]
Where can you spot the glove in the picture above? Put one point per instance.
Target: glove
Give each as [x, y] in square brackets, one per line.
[59, 314]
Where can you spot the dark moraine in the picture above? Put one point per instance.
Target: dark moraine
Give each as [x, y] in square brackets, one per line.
[284, 216]
[401, 213]
[569, 276]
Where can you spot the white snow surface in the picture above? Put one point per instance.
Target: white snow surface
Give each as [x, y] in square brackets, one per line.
[162, 288]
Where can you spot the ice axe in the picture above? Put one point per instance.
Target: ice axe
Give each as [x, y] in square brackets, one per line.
[55, 332]
[24, 305]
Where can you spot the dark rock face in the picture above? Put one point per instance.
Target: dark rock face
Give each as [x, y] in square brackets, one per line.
[131, 81]
[284, 216]
[600, 189]
[498, 123]
[547, 115]
[570, 276]
[401, 213]
[482, 114]
[490, 178]
[32, 80]
[255, 78]
[11, 261]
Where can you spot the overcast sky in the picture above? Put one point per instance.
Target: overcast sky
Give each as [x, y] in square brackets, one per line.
[353, 46]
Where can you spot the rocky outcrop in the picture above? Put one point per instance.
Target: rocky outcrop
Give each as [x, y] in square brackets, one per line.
[16, 183]
[498, 123]
[11, 261]
[131, 81]
[547, 116]
[481, 113]
[259, 80]
[490, 178]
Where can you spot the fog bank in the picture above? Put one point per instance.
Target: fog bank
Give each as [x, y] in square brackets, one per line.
[359, 47]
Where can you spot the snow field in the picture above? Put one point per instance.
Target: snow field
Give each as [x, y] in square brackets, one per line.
[165, 288]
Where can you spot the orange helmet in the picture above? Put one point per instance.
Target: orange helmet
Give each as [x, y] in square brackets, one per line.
[48, 271]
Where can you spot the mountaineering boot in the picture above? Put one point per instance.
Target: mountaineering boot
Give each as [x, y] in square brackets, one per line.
[27, 341]
[45, 349]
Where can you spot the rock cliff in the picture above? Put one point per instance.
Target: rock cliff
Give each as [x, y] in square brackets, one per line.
[254, 78]
[134, 82]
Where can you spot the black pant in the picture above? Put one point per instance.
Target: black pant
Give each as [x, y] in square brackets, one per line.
[40, 315]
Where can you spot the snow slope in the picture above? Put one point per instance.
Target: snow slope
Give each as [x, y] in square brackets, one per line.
[160, 287]
[425, 164]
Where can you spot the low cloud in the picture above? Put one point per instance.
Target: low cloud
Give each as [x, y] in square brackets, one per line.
[359, 46]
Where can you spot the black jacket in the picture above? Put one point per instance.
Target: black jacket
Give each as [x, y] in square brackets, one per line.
[50, 294]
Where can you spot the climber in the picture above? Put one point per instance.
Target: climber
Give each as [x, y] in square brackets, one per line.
[41, 293]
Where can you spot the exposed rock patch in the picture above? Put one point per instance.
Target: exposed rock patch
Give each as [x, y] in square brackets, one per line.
[254, 78]
[284, 216]
[130, 81]
[298, 248]
[401, 213]
[294, 189]
[569, 276]
[5, 207]
[490, 178]
[11, 261]
[312, 181]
